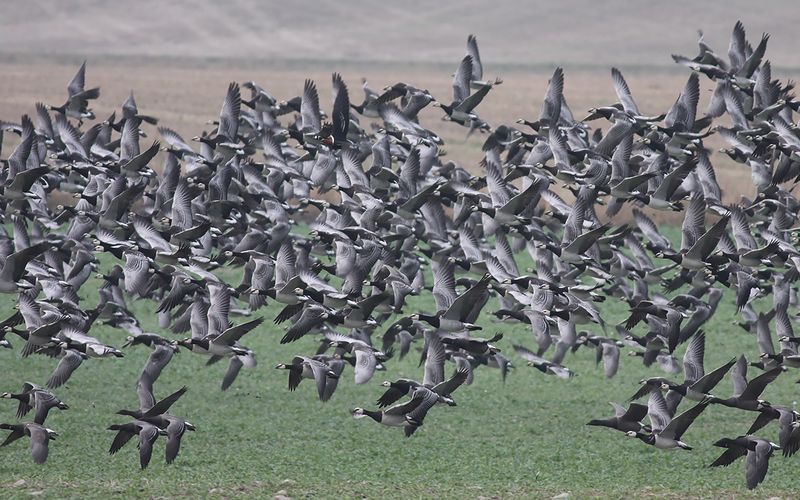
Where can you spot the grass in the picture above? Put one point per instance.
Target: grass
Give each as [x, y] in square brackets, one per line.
[523, 438]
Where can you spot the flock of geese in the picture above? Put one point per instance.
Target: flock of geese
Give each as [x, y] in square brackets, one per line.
[384, 207]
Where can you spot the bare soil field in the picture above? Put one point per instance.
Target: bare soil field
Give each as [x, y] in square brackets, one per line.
[185, 96]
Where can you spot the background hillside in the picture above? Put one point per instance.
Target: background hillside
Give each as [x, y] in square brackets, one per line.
[573, 33]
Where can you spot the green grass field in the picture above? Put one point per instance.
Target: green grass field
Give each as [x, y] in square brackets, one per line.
[524, 438]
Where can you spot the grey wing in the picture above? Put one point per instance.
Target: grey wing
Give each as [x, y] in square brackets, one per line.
[156, 362]
[175, 431]
[716, 106]
[528, 355]
[235, 333]
[181, 210]
[693, 358]
[341, 109]
[147, 436]
[144, 389]
[427, 399]
[229, 114]
[562, 348]
[285, 263]
[461, 80]
[450, 385]
[610, 360]
[619, 410]
[739, 376]
[623, 92]
[309, 108]
[710, 380]
[444, 283]
[39, 443]
[68, 364]
[434, 359]
[764, 336]
[319, 370]
[737, 46]
[635, 413]
[365, 366]
[147, 232]
[234, 367]
[219, 310]
[751, 469]
[136, 272]
[472, 51]
[657, 411]
[78, 81]
[44, 400]
[469, 303]
[337, 367]
[679, 424]
[463, 363]
[551, 108]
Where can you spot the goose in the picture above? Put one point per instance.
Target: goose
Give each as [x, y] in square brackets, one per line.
[147, 433]
[75, 339]
[745, 394]
[405, 387]
[35, 397]
[694, 258]
[473, 345]
[408, 415]
[312, 317]
[366, 356]
[461, 109]
[543, 365]
[697, 385]
[573, 252]
[76, 105]
[476, 79]
[224, 344]
[666, 430]
[460, 310]
[302, 367]
[509, 213]
[757, 451]
[155, 414]
[40, 438]
[786, 418]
